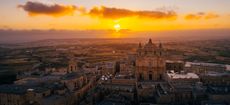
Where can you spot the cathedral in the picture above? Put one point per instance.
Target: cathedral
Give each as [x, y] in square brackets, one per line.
[150, 62]
[72, 67]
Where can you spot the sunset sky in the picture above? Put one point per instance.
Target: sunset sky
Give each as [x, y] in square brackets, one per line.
[135, 15]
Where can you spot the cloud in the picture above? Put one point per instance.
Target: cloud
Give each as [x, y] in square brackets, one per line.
[57, 10]
[211, 16]
[192, 17]
[116, 13]
[37, 8]
[201, 15]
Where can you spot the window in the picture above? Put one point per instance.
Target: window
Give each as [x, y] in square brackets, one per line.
[150, 77]
[160, 76]
[75, 85]
[140, 77]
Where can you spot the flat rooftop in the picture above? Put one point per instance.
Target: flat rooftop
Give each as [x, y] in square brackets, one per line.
[72, 75]
[189, 64]
[174, 75]
[174, 61]
[20, 89]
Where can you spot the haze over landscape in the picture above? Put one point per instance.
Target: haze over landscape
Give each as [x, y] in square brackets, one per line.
[20, 36]
[23, 21]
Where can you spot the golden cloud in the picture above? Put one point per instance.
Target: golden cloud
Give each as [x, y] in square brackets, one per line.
[211, 16]
[201, 15]
[36, 8]
[115, 13]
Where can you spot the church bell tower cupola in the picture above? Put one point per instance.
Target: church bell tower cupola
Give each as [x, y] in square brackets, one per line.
[150, 41]
[160, 49]
[139, 50]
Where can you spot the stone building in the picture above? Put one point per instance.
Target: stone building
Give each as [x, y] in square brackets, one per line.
[203, 68]
[174, 77]
[126, 68]
[72, 67]
[216, 78]
[108, 68]
[176, 66]
[150, 63]
[74, 81]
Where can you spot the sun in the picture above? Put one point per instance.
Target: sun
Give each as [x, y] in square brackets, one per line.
[117, 27]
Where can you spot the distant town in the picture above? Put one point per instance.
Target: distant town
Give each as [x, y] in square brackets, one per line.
[115, 72]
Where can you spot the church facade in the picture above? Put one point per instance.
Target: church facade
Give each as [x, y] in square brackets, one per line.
[72, 65]
[150, 62]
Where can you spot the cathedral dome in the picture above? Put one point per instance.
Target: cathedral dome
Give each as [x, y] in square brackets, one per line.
[150, 47]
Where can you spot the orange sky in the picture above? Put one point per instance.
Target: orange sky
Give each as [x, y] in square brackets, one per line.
[101, 15]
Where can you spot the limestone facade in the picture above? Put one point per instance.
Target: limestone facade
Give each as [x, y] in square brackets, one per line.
[150, 63]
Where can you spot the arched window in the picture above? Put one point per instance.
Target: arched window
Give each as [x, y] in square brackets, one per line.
[150, 77]
[140, 76]
[75, 85]
[71, 68]
[160, 77]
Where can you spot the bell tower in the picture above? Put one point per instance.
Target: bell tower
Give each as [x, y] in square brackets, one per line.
[139, 50]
